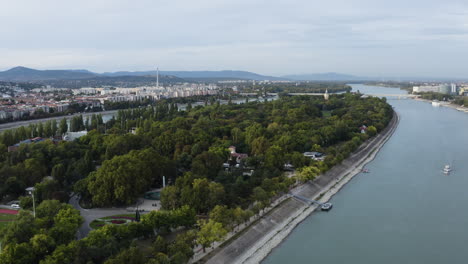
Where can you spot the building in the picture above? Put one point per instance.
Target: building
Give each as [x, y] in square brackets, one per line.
[27, 141]
[237, 156]
[443, 88]
[70, 136]
[453, 88]
[326, 95]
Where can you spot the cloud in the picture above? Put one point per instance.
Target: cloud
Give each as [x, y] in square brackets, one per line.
[270, 37]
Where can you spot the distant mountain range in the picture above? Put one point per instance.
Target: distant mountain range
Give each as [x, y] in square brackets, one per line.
[201, 74]
[27, 74]
[23, 74]
[330, 76]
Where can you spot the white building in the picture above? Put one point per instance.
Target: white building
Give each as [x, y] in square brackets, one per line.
[453, 88]
[70, 136]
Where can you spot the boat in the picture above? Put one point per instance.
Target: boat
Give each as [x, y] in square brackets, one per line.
[435, 103]
[326, 206]
[365, 170]
[447, 169]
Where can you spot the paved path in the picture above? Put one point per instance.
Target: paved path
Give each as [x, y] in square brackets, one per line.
[90, 214]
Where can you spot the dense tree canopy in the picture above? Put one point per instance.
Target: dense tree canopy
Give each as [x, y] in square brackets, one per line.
[111, 166]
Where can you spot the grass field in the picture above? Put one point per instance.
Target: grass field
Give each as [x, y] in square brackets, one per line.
[326, 113]
[112, 220]
[5, 221]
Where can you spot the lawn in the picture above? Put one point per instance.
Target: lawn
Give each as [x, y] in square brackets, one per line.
[5, 221]
[326, 113]
[112, 220]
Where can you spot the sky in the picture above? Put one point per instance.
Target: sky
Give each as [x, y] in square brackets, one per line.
[374, 38]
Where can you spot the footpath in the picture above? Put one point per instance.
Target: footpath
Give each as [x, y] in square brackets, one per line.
[258, 239]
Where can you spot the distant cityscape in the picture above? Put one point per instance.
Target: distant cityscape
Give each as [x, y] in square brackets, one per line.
[19, 103]
[452, 89]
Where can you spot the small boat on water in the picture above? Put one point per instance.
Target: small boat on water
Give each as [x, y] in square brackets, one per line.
[365, 170]
[447, 169]
[326, 206]
[435, 103]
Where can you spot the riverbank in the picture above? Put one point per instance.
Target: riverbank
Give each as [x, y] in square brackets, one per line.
[268, 232]
[446, 104]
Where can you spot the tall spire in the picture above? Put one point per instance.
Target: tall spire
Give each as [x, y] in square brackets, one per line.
[157, 77]
[326, 95]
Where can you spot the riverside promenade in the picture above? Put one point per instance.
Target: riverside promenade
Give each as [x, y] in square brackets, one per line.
[260, 238]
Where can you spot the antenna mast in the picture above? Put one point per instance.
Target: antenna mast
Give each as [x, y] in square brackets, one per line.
[157, 77]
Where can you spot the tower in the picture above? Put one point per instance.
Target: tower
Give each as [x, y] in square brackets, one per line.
[157, 77]
[326, 95]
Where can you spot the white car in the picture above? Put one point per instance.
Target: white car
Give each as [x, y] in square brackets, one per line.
[15, 206]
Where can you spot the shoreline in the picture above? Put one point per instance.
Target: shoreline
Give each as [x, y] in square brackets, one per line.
[446, 104]
[262, 237]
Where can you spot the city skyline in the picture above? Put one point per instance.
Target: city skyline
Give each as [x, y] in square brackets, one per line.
[363, 38]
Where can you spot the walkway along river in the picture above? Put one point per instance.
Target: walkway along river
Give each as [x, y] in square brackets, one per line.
[405, 210]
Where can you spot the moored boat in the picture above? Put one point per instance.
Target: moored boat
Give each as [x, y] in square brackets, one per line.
[447, 169]
[326, 206]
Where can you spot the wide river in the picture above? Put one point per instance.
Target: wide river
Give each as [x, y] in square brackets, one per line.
[405, 210]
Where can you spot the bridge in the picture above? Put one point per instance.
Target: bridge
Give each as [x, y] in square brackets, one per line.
[374, 95]
[394, 95]
[306, 200]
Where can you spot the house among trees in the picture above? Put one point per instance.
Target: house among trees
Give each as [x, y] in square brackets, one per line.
[238, 157]
[27, 141]
[70, 136]
[314, 155]
[363, 129]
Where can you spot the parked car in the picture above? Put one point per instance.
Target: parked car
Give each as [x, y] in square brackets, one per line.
[15, 206]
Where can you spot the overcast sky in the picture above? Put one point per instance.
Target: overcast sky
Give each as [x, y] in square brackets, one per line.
[424, 38]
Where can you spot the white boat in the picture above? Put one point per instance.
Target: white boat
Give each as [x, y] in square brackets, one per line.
[447, 169]
[435, 103]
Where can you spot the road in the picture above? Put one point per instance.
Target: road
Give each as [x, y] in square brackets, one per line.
[90, 214]
[17, 124]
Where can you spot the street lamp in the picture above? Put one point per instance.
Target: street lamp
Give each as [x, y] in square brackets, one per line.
[30, 191]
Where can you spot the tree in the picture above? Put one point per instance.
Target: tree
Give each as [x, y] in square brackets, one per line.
[42, 245]
[259, 146]
[209, 233]
[130, 255]
[181, 250]
[274, 157]
[208, 164]
[59, 173]
[222, 214]
[63, 254]
[159, 245]
[66, 224]
[308, 173]
[122, 179]
[47, 210]
[203, 195]
[53, 127]
[371, 131]
[260, 195]
[17, 253]
[21, 230]
[252, 132]
[170, 197]
[63, 126]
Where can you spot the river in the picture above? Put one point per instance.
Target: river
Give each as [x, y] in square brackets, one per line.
[405, 210]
